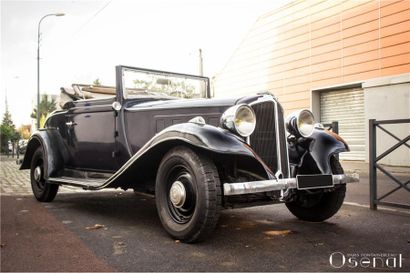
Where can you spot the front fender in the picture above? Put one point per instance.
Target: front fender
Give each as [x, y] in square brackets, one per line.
[207, 138]
[312, 154]
[53, 151]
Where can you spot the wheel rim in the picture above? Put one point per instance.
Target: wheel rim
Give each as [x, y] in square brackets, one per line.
[177, 194]
[38, 175]
[181, 195]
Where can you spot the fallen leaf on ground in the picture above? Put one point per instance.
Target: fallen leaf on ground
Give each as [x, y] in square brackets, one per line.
[177, 241]
[227, 263]
[278, 232]
[198, 254]
[96, 226]
[119, 248]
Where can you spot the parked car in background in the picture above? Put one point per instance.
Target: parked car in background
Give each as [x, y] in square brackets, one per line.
[9, 147]
[22, 146]
[160, 133]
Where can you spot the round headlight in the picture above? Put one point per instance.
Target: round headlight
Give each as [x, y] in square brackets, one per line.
[301, 123]
[306, 123]
[245, 121]
[239, 119]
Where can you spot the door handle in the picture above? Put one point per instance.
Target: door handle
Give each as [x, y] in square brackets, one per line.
[70, 124]
[116, 106]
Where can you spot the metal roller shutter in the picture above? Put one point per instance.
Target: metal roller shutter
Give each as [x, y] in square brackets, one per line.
[346, 107]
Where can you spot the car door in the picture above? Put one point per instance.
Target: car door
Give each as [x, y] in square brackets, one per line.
[90, 129]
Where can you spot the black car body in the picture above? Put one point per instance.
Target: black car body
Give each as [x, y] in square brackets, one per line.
[164, 135]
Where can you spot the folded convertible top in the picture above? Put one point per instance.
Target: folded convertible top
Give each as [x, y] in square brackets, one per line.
[84, 91]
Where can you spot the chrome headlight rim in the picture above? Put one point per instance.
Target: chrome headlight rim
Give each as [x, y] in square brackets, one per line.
[301, 123]
[229, 120]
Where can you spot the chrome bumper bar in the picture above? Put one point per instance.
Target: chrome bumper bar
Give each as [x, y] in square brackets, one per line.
[279, 184]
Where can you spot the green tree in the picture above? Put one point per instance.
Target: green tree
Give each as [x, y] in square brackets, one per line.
[97, 82]
[141, 84]
[169, 87]
[8, 131]
[46, 107]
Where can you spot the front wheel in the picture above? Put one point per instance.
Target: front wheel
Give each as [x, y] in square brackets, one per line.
[43, 191]
[319, 206]
[188, 194]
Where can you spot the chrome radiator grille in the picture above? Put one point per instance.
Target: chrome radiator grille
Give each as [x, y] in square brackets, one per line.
[263, 140]
[268, 139]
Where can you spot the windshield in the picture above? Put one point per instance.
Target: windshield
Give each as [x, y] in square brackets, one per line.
[137, 83]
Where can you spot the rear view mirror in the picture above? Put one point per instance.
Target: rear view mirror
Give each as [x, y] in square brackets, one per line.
[164, 81]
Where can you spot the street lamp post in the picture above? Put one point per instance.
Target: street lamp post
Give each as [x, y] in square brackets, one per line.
[38, 64]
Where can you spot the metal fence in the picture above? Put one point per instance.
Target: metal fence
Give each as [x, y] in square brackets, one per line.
[374, 166]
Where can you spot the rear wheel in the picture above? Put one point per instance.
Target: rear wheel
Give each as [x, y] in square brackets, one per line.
[43, 191]
[188, 194]
[319, 206]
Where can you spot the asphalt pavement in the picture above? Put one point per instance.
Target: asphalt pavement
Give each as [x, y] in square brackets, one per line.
[120, 231]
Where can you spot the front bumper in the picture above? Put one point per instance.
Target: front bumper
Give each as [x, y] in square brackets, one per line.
[281, 184]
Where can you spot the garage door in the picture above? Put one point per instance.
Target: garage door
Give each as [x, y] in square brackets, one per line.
[346, 107]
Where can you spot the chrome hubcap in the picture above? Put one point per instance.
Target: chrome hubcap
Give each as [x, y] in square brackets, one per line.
[37, 173]
[177, 194]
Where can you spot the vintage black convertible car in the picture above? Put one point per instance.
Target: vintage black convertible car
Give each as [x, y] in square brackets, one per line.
[160, 133]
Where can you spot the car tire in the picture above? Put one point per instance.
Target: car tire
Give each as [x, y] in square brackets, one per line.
[43, 191]
[319, 206]
[188, 194]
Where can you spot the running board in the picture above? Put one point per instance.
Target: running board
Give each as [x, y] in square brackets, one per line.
[85, 183]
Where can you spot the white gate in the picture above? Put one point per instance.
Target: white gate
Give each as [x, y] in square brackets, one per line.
[346, 107]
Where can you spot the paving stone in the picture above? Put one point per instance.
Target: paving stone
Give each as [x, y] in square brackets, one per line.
[17, 182]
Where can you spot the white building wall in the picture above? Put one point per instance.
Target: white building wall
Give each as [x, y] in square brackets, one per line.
[385, 99]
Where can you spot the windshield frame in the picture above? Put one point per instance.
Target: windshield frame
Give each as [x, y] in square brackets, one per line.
[120, 69]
